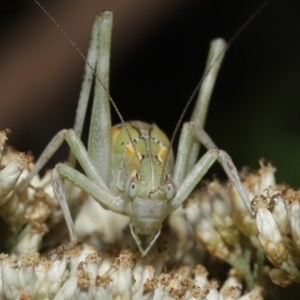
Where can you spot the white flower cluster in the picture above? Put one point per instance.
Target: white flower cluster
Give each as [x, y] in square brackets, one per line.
[220, 221]
[27, 212]
[82, 273]
[278, 224]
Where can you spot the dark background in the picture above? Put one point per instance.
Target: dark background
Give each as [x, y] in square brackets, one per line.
[158, 55]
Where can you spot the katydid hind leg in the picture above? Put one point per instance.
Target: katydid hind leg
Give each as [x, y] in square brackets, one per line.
[213, 65]
[86, 87]
[97, 60]
[100, 141]
[189, 146]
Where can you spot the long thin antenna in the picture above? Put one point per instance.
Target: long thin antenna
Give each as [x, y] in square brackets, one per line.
[95, 74]
[231, 41]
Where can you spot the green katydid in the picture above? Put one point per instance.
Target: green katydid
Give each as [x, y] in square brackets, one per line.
[129, 168]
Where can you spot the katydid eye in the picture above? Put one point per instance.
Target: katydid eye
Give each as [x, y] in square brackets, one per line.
[132, 187]
[170, 189]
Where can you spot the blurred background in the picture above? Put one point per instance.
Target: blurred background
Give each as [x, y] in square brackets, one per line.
[158, 55]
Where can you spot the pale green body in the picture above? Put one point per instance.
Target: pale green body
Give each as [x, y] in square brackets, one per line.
[125, 168]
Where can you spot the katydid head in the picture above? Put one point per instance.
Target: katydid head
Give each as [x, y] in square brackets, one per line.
[150, 202]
